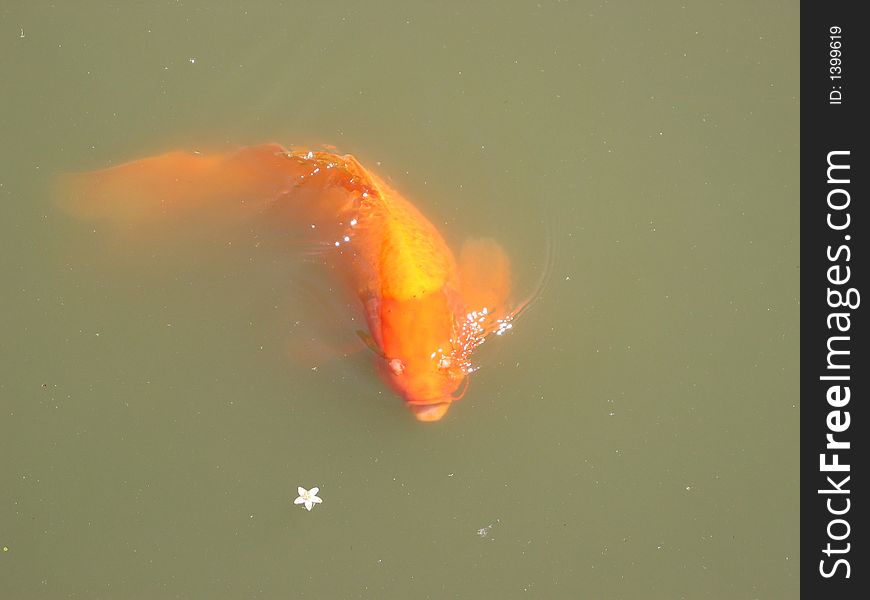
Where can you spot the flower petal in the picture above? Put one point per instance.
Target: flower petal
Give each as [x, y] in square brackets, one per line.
[302, 491]
[299, 500]
[313, 491]
[309, 505]
[316, 500]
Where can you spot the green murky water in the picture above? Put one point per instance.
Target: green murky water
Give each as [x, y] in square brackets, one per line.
[634, 437]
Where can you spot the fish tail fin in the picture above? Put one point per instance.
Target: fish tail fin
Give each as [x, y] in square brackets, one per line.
[176, 183]
[299, 201]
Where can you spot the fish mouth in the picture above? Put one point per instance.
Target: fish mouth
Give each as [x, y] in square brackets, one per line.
[429, 412]
[434, 409]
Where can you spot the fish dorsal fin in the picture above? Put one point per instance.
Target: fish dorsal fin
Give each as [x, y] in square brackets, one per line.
[485, 278]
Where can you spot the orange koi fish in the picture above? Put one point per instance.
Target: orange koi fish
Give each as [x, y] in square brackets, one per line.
[426, 309]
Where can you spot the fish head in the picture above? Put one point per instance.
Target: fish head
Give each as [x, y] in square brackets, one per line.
[422, 360]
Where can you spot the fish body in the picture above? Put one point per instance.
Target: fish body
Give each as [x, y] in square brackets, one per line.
[426, 309]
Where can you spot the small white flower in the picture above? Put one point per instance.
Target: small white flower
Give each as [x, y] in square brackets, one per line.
[308, 497]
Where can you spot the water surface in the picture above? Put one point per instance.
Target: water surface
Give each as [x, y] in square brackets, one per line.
[634, 437]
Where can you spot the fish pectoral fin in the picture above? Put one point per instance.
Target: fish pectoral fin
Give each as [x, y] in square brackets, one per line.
[484, 276]
[369, 341]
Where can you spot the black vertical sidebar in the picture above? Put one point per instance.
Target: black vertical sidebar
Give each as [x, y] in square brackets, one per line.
[834, 336]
